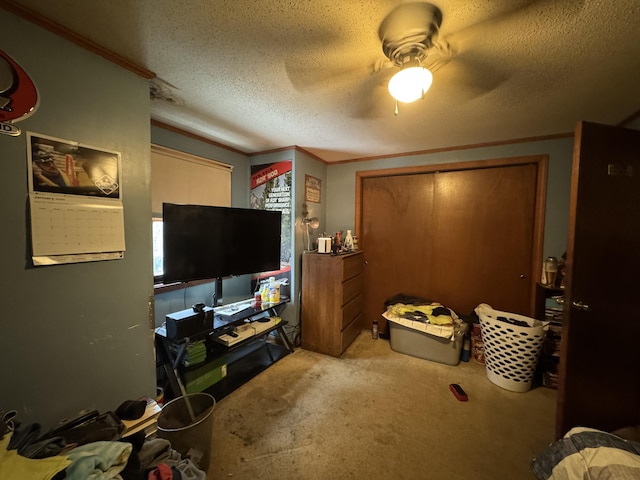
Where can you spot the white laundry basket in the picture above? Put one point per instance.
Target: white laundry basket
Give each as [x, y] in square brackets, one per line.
[511, 351]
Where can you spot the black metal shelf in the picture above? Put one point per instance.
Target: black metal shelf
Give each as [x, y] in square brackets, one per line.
[255, 359]
[243, 360]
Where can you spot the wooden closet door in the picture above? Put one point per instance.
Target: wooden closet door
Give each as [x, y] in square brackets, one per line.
[399, 244]
[460, 237]
[483, 238]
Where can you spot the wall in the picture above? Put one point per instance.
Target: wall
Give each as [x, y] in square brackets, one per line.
[341, 182]
[75, 336]
[306, 165]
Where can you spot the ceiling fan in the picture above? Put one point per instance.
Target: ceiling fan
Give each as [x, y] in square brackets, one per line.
[408, 35]
[410, 38]
[410, 43]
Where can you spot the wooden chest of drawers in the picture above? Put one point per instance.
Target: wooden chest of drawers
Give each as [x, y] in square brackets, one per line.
[332, 301]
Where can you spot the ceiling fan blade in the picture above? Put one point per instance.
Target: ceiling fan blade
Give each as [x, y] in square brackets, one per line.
[438, 56]
[518, 11]
[470, 63]
[330, 60]
[469, 78]
[371, 98]
[328, 73]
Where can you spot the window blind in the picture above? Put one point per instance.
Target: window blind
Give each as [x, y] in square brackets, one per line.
[178, 177]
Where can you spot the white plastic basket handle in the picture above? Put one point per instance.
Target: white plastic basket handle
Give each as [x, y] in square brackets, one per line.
[488, 311]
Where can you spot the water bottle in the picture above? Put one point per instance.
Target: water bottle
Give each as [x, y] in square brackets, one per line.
[466, 350]
[274, 290]
[550, 271]
[264, 293]
[374, 330]
[348, 241]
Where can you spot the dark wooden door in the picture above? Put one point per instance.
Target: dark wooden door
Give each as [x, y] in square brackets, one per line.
[599, 378]
[458, 237]
[396, 241]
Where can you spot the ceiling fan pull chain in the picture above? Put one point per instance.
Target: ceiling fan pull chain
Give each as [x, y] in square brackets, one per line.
[396, 111]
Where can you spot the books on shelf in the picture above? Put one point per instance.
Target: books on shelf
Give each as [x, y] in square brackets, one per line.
[553, 314]
[147, 422]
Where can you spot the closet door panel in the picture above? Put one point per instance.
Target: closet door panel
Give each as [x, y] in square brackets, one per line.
[396, 214]
[483, 238]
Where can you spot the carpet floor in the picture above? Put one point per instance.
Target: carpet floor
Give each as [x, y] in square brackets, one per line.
[377, 414]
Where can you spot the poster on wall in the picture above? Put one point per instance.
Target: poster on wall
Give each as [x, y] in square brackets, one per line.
[271, 190]
[312, 189]
[75, 200]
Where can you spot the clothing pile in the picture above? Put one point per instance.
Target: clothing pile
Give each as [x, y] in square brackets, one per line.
[89, 448]
[425, 316]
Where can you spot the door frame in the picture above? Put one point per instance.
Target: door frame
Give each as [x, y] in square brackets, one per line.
[542, 164]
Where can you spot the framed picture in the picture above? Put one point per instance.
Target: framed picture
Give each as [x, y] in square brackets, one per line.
[312, 189]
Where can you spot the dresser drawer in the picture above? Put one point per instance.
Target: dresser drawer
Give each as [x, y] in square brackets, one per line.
[350, 333]
[351, 288]
[352, 265]
[351, 310]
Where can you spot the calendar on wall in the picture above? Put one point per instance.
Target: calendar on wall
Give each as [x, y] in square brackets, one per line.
[75, 202]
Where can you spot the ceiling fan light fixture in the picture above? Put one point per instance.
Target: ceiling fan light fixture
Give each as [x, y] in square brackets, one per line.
[410, 84]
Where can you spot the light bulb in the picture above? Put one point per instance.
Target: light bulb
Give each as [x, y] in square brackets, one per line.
[409, 84]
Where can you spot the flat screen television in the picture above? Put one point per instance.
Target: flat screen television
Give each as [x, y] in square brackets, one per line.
[203, 242]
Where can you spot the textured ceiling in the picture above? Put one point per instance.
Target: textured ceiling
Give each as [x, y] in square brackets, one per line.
[258, 75]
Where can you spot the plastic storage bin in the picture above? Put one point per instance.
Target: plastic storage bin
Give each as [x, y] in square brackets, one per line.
[187, 423]
[422, 345]
[511, 352]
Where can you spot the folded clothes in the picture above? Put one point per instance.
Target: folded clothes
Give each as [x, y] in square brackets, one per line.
[98, 460]
[429, 318]
[433, 313]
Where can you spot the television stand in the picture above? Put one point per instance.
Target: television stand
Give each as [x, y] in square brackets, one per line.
[232, 365]
[217, 293]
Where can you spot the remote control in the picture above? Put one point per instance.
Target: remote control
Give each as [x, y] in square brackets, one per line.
[458, 392]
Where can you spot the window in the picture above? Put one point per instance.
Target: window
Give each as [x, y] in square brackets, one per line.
[158, 269]
[178, 177]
